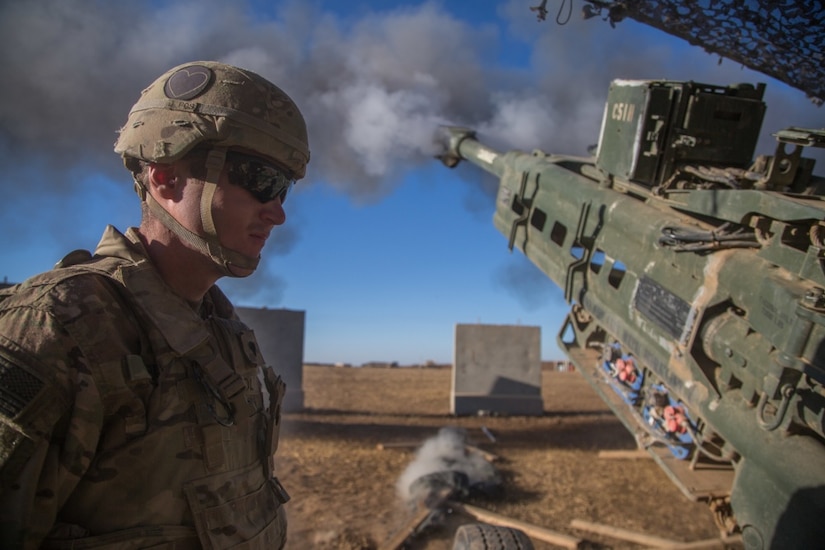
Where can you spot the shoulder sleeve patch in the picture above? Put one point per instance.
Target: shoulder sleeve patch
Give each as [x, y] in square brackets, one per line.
[18, 387]
[19, 390]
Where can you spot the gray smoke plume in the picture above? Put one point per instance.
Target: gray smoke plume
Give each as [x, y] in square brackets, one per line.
[446, 452]
[372, 87]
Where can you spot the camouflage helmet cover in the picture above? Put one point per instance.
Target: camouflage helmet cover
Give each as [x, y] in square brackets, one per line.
[220, 104]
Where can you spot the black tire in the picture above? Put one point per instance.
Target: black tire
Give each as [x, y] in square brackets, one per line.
[481, 536]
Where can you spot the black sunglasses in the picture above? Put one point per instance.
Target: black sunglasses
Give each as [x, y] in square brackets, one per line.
[265, 181]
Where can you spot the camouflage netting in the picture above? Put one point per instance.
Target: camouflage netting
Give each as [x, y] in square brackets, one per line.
[784, 39]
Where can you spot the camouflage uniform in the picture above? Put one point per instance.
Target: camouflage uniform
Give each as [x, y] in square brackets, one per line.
[130, 417]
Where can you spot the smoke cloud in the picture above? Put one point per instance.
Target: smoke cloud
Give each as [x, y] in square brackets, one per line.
[372, 88]
[445, 452]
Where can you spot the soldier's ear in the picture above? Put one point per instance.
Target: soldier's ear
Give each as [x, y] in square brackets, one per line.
[163, 179]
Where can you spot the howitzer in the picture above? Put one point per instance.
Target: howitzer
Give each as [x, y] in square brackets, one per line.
[696, 279]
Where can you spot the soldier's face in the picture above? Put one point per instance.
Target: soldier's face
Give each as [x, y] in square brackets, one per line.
[243, 222]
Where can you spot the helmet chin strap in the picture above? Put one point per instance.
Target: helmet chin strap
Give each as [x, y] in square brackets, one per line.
[209, 245]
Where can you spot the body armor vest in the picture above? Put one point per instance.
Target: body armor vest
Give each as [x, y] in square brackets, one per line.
[190, 429]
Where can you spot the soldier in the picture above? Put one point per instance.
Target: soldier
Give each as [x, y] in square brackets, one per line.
[135, 408]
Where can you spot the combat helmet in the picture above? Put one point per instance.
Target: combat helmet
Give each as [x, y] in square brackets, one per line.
[212, 104]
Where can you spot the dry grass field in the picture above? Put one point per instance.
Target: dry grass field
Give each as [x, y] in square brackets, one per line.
[341, 459]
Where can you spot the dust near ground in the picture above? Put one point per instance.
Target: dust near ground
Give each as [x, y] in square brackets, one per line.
[343, 485]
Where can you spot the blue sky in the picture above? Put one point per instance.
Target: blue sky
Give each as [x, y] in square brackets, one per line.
[384, 248]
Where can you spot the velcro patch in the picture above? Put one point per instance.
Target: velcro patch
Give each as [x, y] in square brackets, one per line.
[188, 82]
[18, 387]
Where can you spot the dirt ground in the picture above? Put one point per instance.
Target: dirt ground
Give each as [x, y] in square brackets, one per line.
[341, 459]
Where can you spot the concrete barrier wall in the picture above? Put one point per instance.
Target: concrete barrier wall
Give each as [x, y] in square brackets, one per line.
[280, 334]
[497, 370]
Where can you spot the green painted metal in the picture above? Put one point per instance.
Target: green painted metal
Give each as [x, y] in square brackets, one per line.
[696, 279]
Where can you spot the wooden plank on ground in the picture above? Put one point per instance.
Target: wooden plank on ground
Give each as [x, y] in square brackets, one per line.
[398, 445]
[624, 534]
[734, 541]
[489, 457]
[407, 530]
[411, 526]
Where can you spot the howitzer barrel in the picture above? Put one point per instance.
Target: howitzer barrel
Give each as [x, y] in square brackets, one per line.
[458, 143]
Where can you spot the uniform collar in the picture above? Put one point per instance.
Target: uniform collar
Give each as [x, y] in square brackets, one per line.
[180, 324]
[115, 244]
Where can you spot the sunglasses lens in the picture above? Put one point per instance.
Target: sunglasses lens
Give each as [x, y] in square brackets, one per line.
[264, 181]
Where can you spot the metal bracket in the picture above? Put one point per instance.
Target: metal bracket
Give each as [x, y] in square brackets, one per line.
[525, 212]
[578, 263]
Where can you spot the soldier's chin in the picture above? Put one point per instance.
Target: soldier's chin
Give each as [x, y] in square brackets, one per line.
[239, 272]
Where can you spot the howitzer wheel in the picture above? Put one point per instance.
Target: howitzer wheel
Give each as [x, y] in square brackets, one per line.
[481, 536]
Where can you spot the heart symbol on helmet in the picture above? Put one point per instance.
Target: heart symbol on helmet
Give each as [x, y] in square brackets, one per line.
[187, 83]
